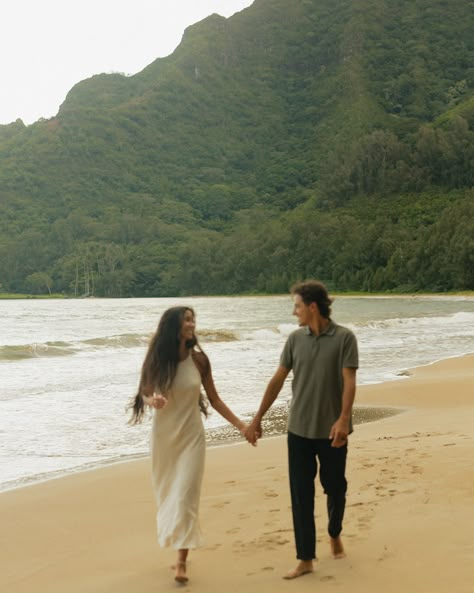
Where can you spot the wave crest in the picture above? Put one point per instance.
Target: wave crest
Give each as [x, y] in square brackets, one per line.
[216, 335]
[26, 351]
[17, 352]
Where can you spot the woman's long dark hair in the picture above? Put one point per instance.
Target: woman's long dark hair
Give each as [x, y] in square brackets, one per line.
[161, 361]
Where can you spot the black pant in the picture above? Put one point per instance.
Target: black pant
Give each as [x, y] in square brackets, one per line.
[303, 467]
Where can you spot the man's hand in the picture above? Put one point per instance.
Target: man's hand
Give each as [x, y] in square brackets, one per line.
[253, 432]
[339, 432]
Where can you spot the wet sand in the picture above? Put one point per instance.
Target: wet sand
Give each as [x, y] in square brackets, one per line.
[274, 423]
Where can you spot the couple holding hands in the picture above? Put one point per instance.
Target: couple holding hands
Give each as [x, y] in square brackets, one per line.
[323, 357]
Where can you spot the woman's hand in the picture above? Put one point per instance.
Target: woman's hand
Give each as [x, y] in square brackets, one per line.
[156, 401]
[253, 432]
[159, 401]
[241, 426]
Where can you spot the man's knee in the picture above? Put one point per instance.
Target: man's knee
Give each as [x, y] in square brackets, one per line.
[335, 487]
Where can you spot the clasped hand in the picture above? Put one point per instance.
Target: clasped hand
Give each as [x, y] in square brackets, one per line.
[253, 432]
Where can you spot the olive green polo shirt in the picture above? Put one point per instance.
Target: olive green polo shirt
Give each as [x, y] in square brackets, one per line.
[317, 363]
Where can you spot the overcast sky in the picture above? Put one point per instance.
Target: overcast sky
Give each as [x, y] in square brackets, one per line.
[47, 46]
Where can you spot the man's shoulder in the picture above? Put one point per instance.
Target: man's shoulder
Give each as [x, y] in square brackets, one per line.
[342, 330]
[298, 333]
[295, 339]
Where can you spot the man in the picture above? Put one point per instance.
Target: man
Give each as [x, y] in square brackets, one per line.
[324, 359]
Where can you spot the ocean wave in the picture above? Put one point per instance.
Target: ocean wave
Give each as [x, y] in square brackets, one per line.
[17, 352]
[262, 335]
[119, 341]
[406, 322]
[217, 335]
[26, 351]
[459, 323]
[11, 353]
[285, 329]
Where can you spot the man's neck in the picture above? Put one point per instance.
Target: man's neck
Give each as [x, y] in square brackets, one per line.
[318, 325]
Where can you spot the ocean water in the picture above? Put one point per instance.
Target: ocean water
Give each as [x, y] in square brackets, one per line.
[68, 368]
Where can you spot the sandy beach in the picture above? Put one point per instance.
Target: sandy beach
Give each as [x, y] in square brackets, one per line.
[408, 526]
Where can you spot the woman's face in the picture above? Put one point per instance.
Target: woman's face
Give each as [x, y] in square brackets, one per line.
[188, 325]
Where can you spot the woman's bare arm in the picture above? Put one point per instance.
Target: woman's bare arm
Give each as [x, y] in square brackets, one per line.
[216, 401]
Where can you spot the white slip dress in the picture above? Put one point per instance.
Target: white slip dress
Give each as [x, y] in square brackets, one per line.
[177, 453]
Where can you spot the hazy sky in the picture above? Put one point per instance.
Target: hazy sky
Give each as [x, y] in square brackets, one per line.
[47, 46]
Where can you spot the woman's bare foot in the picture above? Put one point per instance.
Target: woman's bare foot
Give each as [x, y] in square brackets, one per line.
[303, 567]
[337, 549]
[180, 574]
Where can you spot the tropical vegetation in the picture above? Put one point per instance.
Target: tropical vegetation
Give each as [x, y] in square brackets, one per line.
[298, 138]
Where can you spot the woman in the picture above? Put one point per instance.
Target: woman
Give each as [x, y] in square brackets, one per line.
[172, 373]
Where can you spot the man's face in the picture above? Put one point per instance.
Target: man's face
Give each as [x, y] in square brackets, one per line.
[301, 311]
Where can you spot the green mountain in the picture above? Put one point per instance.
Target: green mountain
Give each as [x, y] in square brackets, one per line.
[298, 138]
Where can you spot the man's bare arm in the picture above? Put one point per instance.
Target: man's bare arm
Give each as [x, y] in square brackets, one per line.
[254, 430]
[340, 429]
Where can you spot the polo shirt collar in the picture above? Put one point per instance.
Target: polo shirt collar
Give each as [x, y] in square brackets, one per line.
[330, 330]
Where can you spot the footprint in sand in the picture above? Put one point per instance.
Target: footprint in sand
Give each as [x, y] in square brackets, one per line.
[327, 578]
[270, 494]
[220, 505]
[278, 531]
[233, 530]
[364, 522]
[214, 547]
[269, 540]
[385, 554]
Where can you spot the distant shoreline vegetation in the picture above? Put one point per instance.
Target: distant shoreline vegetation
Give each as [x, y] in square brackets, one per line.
[15, 296]
[465, 293]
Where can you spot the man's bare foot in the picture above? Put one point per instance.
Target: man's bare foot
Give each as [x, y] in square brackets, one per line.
[180, 575]
[337, 549]
[303, 567]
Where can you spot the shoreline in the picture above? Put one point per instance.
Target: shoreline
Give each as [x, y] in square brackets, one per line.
[274, 425]
[409, 509]
[224, 436]
[460, 293]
